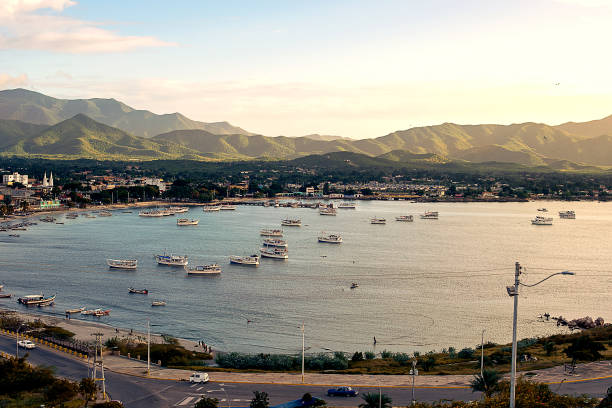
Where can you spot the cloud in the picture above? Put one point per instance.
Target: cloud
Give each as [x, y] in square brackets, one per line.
[23, 29]
[7, 81]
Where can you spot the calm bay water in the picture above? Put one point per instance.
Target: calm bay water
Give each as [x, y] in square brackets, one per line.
[423, 285]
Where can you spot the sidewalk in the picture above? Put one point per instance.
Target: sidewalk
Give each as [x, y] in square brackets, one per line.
[551, 375]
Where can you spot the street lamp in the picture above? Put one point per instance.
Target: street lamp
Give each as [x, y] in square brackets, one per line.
[149, 345]
[513, 291]
[17, 340]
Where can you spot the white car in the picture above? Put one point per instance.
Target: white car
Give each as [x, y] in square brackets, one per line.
[198, 378]
[26, 344]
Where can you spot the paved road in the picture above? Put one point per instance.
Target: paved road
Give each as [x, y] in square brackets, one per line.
[138, 392]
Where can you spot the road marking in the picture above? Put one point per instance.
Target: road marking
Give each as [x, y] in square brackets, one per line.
[186, 401]
[198, 389]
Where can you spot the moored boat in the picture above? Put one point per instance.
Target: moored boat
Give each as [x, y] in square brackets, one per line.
[5, 295]
[271, 242]
[150, 213]
[105, 213]
[158, 303]
[95, 312]
[182, 222]
[72, 311]
[347, 206]
[405, 218]
[245, 260]
[542, 209]
[138, 291]
[354, 285]
[327, 211]
[122, 263]
[227, 207]
[212, 269]
[273, 252]
[36, 300]
[539, 220]
[211, 208]
[330, 238]
[291, 222]
[377, 220]
[271, 233]
[568, 215]
[171, 260]
[178, 210]
[430, 215]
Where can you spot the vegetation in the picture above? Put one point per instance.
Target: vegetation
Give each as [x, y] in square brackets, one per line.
[171, 354]
[206, 402]
[260, 400]
[487, 382]
[375, 400]
[281, 362]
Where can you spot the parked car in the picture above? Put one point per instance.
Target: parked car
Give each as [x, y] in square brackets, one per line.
[342, 392]
[26, 344]
[199, 378]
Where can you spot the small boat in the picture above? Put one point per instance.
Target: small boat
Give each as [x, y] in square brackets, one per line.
[95, 312]
[542, 209]
[72, 216]
[5, 295]
[158, 303]
[14, 235]
[212, 269]
[36, 300]
[61, 223]
[245, 260]
[347, 206]
[178, 210]
[105, 213]
[276, 253]
[354, 285]
[291, 223]
[172, 260]
[405, 218]
[48, 218]
[271, 242]
[271, 233]
[429, 215]
[211, 208]
[327, 211]
[228, 207]
[138, 291]
[122, 263]
[379, 221]
[330, 238]
[568, 215]
[89, 216]
[126, 212]
[182, 222]
[72, 311]
[151, 213]
[539, 220]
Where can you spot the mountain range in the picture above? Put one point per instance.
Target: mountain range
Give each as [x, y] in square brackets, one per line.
[33, 124]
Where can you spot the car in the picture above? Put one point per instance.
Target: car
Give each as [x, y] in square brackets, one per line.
[342, 392]
[26, 344]
[199, 378]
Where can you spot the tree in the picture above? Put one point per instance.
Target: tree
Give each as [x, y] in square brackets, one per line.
[309, 401]
[206, 402]
[487, 382]
[108, 404]
[260, 400]
[61, 391]
[88, 389]
[549, 347]
[584, 348]
[375, 400]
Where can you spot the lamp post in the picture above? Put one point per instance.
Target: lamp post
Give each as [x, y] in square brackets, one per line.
[513, 291]
[149, 345]
[17, 341]
[303, 344]
[482, 354]
[413, 372]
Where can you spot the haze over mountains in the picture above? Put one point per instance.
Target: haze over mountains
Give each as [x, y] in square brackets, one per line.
[33, 124]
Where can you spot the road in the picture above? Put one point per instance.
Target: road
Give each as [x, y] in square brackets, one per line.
[137, 392]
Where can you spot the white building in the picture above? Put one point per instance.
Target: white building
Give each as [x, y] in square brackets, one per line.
[149, 181]
[47, 182]
[15, 178]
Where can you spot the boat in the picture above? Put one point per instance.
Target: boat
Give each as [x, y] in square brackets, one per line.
[14, 235]
[172, 260]
[228, 207]
[61, 223]
[539, 220]
[377, 220]
[245, 260]
[48, 218]
[182, 222]
[105, 213]
[138, 291]
[72, 311]
[95, 312]
[347, 206]
[568, 215]
[72, 215]
[330, 238]
[212, 269]
[291, 223]
[542, 209]
[158, 303]
[273, 252]
[178, 210]
[271, 242]
[271, 233]
[122, 263]
[36, 300]
[327, 211]
[429, 215]
[405, 218]
[126, 212]
[151, 213]
[90, 216]
[5, 295]
[354, 285]
[211, 208]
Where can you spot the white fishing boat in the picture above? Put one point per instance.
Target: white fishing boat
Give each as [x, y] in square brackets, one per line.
[405, 218]
[291, 223]
[568, 215]
[158, 303]
[271, 233]
[122, 263]
[150, 213]
[178, 210]
[181, 222]
[211, 208]
[212, 269]
[330, 238]
[36, 300]
[539, 220]
[276, 253]
[271, 242]
[95, 312]
[245, 260]
[347, 206]
[327, 211]
[72, 311]
[430, 215]
[377, 220]
[228, 207]
[105, 213]
[171, 260]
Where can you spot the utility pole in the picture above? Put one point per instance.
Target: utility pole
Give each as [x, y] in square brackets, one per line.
[414, 372]
[517, 273]
[303, 344]
[482, 353]
[148, 347]
[98, 364]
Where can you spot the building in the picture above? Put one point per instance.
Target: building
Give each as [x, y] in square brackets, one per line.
[49, 204]
[149, 181]
[9, 179]
[47, 182]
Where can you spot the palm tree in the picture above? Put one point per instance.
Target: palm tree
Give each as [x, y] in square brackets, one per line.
[485, 382]
[375, 400]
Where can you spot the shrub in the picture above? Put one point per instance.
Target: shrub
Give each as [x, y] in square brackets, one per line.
[57, 333]
[466, 353]
[358, 356]
[369, 355]
[428, 363]
[61, 391]
[585, 349]
[206, 402]
[402, 358]
[452, 352]
[260, 400]
[386, 354]
[16, 375]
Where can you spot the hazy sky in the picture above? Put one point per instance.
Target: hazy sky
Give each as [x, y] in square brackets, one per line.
[352, 68]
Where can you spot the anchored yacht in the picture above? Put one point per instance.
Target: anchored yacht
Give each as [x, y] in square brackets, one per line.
[171, 260]
[245, 260]
[539, 220]
[277, 253]
[568, 215]
[405, 218]
[330, 238]
[122, 263]
[291, 223]
[377, 220]
[429, 215]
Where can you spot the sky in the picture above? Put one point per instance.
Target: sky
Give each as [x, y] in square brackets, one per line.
[351, 68]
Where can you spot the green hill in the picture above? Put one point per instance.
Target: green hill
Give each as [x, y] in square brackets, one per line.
[12, 131]
[34, 107]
